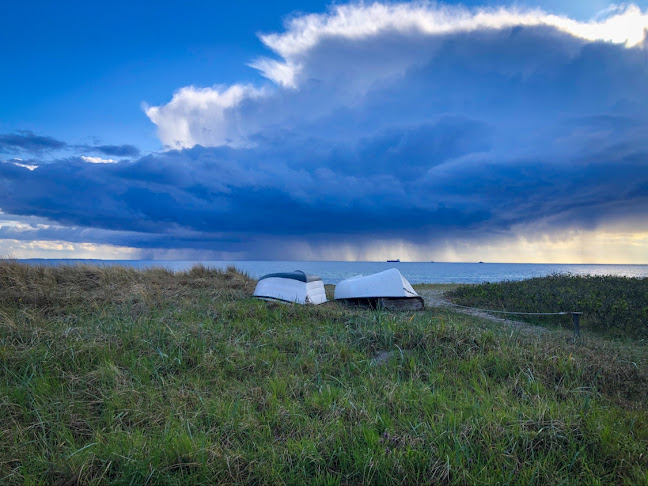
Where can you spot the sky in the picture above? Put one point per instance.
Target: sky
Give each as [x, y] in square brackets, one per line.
[448, 131]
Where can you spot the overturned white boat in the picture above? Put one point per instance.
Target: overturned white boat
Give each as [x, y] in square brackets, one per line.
[291, 287]
[388, 289]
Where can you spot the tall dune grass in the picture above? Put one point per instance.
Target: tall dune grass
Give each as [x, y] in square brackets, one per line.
[42, 286]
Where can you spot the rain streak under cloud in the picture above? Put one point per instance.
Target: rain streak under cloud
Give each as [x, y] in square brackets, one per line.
[422, 130]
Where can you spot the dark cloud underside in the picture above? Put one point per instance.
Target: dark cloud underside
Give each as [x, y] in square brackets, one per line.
[26, 141]
[117, 150]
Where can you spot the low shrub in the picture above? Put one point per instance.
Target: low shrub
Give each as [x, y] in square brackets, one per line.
[613, 305]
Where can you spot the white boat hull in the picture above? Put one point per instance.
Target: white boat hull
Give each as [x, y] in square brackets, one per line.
[389, 283]
[290, 290]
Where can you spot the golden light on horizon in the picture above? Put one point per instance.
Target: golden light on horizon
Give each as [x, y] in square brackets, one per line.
[579, 247]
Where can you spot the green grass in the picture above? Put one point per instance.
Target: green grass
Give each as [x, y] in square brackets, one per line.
[614, 306]
[118, 376]
[438, 286]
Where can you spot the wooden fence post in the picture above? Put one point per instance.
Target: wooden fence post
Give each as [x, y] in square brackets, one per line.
[576, 322]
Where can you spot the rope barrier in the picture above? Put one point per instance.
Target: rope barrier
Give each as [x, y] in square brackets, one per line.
[517, 313]
[575, 315]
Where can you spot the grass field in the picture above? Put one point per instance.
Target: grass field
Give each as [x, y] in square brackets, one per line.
[118, 376]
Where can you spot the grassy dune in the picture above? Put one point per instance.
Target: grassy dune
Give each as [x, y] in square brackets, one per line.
[118, 376]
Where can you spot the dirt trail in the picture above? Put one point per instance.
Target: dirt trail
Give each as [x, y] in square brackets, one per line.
[435, 298]
[626, 353]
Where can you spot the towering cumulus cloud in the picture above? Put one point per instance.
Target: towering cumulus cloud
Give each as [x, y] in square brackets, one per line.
[422, 127]
[341, 59]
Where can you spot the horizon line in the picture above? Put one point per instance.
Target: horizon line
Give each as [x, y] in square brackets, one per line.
[310, 261]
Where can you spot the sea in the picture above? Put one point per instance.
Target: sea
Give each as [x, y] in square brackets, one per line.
[415, 272]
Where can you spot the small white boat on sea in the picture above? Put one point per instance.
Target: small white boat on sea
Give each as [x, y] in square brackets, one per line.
[291, 287]
[388, 289]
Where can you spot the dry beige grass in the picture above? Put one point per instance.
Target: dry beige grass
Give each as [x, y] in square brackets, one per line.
[54, 286]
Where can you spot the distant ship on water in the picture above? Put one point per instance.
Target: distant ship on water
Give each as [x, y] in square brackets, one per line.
[394, 261]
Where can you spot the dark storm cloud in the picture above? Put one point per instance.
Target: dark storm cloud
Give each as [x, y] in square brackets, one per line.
[116, 150]
[29, 142]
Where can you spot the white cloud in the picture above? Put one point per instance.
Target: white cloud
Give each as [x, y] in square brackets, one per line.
[26, 166]
[97, 160]
[202, 116]
[22, 226]
[18, 162]
[282, 73]
[10, 248]
[356, 22]
[220, 115]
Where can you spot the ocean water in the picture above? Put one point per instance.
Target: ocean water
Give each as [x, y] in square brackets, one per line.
[415, 272]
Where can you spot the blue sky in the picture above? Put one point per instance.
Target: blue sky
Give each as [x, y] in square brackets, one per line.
[286, 130]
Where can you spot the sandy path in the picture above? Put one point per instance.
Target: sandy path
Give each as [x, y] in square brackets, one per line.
[435, 298]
